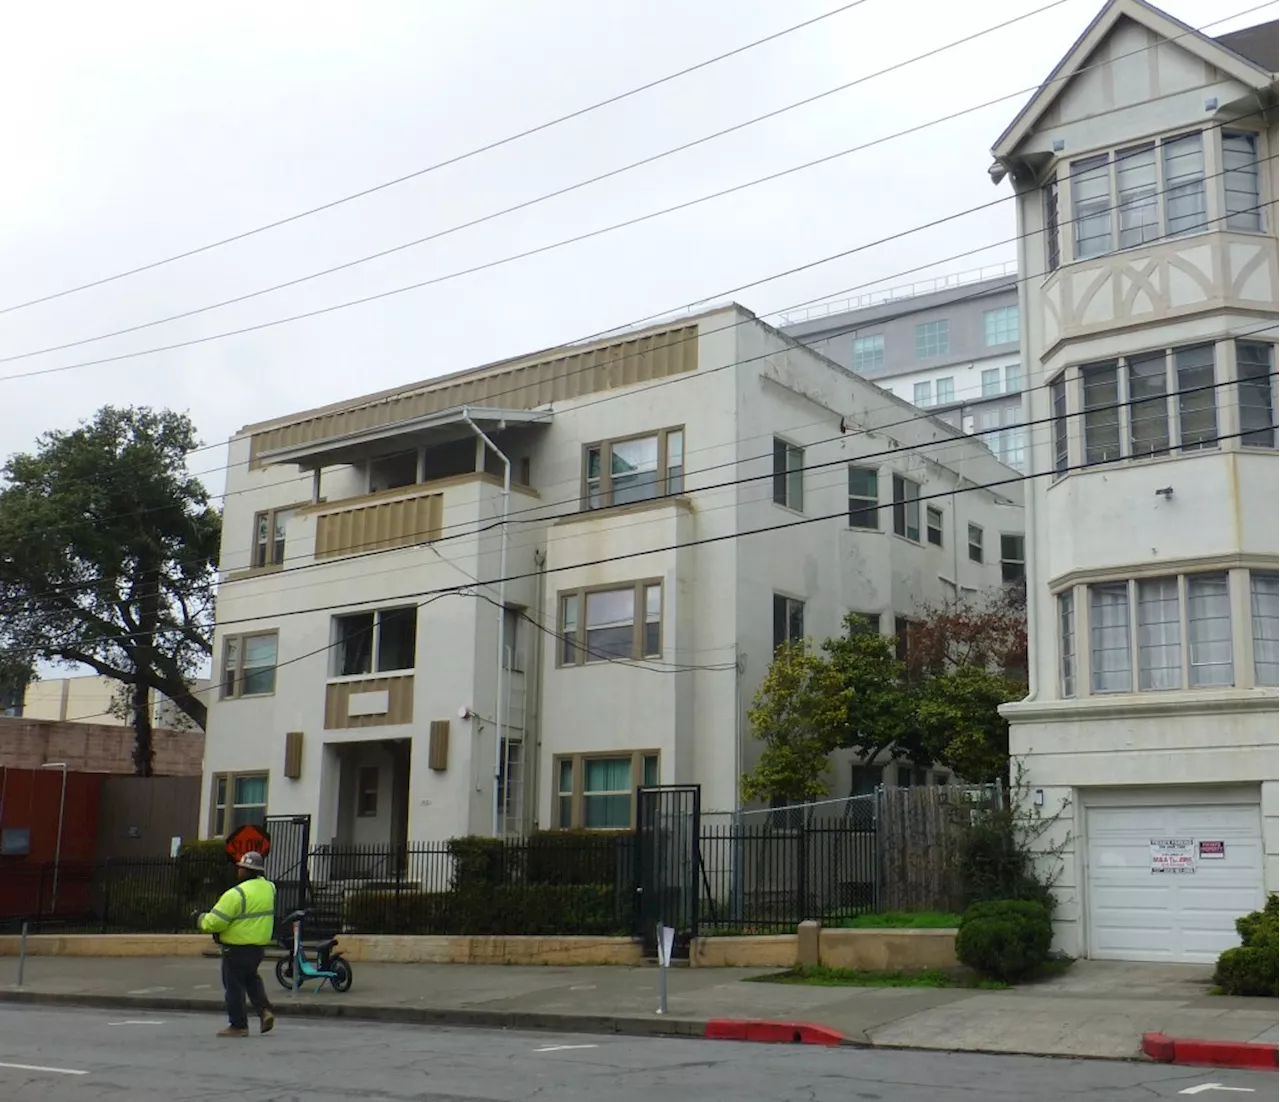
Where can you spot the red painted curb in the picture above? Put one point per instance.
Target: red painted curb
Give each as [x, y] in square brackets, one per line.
[767, 1032]
[1218, 1054]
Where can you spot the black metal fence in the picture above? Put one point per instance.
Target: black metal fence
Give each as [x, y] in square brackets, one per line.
[758, 878]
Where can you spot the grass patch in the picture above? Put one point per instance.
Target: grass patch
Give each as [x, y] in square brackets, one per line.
[902, 920]
[821, 976]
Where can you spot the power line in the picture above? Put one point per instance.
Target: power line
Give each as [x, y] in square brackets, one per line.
[579, 113]
[364, 300]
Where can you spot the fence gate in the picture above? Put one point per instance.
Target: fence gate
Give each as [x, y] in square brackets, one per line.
[287, 864]
[667, 827]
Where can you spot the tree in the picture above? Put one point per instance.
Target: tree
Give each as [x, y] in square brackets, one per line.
[881, 711]
[799, 712]
[990, 633]
[108, 555]
[960, 723]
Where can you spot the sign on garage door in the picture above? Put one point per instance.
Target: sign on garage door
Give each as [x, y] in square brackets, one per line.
[1166, 883]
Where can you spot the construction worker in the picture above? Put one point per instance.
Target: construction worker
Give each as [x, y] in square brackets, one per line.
[243, 921]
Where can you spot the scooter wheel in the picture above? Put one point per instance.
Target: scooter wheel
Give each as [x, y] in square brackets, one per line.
[284, 972]
[342, 974]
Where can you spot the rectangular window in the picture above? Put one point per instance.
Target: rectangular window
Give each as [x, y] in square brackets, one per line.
[601, 625]
[1109, 638]
[906, 508]
[1013, 379]
[1052, 243]
[788, 475]
[597, 792]
[268, 537]
[1139, 213]
[383, 641]
[1264, 603]
[975, 543]
[238, 800]
[1067, 642]
[1242, 181]
[868, 353]
[788, 620]
[902, 638]
[249, 665]
[367, 792]
[991, 382]
[933, 525]
[1209, 630]
[933, 338]
[1013, 559]
[637, 468]
[922, 394]
[1159, 634]
[946, 391]
[1184, 205]
[1101, 386]
[864, 498]
[1254, 388]
[1197, 402]
[1148, 405]
[1091, 205]
[1058, 401]
[1001, 325]
[865, 623]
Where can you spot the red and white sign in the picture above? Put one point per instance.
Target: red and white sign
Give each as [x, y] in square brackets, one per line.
[1213, 851]
[1173, 855]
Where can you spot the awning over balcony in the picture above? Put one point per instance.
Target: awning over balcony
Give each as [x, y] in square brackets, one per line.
[429, 430]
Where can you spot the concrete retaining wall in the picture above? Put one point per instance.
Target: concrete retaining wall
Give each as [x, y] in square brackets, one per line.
[778, 951]
[859, 950]
[356, 947]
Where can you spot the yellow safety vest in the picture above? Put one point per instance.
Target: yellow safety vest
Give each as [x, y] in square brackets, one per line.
[245, 915]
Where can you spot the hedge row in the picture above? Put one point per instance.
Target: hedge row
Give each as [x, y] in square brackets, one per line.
[1251, 967]
[537, 909]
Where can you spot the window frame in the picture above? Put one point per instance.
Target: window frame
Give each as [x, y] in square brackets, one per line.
[872, 344]
[222, 811]
[868, 507]
[977, 547]
[375, 645]
[932, 512]
[785, 604]
[1259, 206]
[922, 394]
[996, 322]
[788, 479]
[369, 811]
[582, 655]
[1068, 655]
[577, 794]
[1254, 633]
[934, 334]
[1020, 561]
[241, 639]
[902, 508]
[945, 395]
[665, 482]
[1263, 384]
[270, 560]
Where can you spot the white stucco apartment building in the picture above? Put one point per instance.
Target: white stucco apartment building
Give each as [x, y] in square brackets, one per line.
[682, 498]
[1146, 180]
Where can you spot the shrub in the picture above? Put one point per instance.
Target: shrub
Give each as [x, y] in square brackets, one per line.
[995, 864]
[145, 905]
[576, 857]
[204, 872]
[478, 861]
[1005, 939]
[1246, 970]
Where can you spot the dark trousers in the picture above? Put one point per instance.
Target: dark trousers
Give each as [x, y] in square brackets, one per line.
[240, 979]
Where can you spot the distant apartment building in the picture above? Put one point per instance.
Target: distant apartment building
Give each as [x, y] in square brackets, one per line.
[92, 699]
[666, 507]
[949, 345]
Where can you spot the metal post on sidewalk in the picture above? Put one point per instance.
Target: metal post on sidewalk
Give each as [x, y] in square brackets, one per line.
[22, 954]
[297, 958]
[666, 942]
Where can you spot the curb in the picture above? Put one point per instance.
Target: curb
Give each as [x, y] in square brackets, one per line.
[724, 1029]
[1218, 1054]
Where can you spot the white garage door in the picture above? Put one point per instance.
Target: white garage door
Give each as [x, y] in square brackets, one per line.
[1209, 859]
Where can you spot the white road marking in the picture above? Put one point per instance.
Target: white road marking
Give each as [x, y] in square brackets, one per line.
[583, 987]
[202, 987]
[37, 1067]
[149, 990]
[562, 1048]
[138, 1021]
[1202, 1087]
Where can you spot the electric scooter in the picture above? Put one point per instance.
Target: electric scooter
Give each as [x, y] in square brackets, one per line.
[329, 966]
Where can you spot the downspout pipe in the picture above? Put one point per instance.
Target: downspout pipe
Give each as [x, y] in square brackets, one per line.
[501, 708]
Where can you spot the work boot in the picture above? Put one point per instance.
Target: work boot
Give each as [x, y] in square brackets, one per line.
[234, 1031]
[268, 1020]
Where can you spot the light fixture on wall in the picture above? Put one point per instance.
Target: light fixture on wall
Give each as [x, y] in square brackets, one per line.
[1165, 492]
[1039, 797]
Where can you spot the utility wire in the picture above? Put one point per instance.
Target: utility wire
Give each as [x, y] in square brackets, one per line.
[579, 113]
[363, 300]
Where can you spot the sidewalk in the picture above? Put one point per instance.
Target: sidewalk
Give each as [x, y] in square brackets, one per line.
[1097, 1009]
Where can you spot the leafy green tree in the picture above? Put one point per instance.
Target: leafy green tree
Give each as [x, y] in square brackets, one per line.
[960, 723]
[799, 712]
[108, 553]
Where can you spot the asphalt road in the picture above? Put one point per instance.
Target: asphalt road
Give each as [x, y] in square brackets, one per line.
[78, 1055]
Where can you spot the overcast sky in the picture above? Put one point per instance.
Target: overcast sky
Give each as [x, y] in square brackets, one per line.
[133, 131]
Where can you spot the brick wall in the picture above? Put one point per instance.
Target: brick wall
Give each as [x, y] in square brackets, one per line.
[95, 748]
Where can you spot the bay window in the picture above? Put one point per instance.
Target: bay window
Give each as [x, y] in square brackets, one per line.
[637, 468]
[605, 624]
[597, 791]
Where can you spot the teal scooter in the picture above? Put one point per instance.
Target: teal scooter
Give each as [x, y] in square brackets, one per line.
[329, 966]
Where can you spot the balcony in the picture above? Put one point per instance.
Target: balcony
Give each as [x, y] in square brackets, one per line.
[378, 522]
[368, 702]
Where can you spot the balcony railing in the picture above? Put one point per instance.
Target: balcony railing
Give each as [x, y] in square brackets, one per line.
[376, 525]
